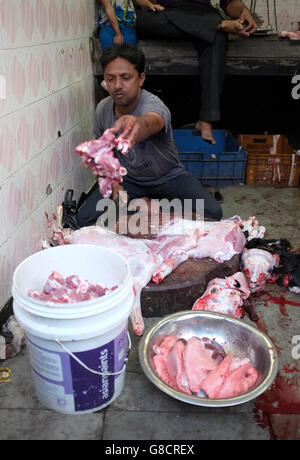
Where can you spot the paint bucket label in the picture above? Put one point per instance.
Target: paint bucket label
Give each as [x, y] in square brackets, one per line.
[63, 384]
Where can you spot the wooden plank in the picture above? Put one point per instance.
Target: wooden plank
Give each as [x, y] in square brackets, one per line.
[254, 56]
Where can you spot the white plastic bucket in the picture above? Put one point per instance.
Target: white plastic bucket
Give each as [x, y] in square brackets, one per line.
[74, 348]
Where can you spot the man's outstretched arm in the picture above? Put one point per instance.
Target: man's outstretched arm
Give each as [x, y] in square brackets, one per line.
[136, 129]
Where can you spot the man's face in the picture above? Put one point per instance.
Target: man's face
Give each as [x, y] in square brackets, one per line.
[123, 82]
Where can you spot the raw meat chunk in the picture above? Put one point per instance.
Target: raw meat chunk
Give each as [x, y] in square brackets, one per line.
[175, 366]
[166, 345]
[239, 381]
[98, 156]
[198, 363]
[201, 364]
[70, 290]
[215, 380]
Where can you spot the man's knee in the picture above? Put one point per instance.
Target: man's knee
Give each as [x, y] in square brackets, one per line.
[218, 213]
[85, 219]
[89, 212]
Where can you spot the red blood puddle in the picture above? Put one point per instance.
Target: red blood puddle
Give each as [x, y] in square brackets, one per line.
[281, 301]
[278, 408]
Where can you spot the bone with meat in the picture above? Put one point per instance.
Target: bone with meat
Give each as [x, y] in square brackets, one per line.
[98, 155]
[72, 289]
[252, 228]
[225, 296]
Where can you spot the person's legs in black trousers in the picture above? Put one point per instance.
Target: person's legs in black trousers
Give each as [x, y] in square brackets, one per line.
[188, 187]
[89, 212]
[156, 25]
[212, 60]
[184, 187]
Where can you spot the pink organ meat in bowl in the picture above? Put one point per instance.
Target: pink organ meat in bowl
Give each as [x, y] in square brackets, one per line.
[208, 359]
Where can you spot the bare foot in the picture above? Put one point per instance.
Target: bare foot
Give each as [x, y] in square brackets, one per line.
[206, 131]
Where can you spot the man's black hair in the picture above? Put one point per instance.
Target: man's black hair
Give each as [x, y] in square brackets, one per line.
[125, 51]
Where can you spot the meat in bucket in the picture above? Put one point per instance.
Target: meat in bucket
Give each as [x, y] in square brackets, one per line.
[78, 351]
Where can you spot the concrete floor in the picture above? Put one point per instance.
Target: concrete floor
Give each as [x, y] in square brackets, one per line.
[142, 412]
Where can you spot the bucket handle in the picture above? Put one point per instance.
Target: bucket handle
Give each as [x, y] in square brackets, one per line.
[92, 370]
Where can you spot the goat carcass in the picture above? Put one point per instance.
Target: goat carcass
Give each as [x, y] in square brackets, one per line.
[175, 243]
[225, 296]
[176, 239]
[218, 240]
[258, 266]
[98, 156]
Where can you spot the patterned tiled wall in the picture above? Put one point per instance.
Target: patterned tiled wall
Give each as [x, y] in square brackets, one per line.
[46, 109]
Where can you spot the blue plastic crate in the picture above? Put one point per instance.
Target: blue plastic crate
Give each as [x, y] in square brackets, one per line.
[227, 168]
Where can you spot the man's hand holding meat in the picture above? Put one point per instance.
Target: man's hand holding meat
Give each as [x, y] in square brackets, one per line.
[136, 129]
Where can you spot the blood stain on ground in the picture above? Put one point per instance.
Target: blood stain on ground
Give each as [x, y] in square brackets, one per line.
[281, 301]
[278, 408]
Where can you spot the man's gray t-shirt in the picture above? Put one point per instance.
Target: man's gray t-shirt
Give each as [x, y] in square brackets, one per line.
[153, 161]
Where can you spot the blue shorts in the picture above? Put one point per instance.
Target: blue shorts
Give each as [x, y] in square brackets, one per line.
[107, 33]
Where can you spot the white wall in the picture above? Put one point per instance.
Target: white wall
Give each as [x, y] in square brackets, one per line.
[46, 87]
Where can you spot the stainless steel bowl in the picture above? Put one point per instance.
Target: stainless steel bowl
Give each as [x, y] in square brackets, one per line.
[236, 337]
